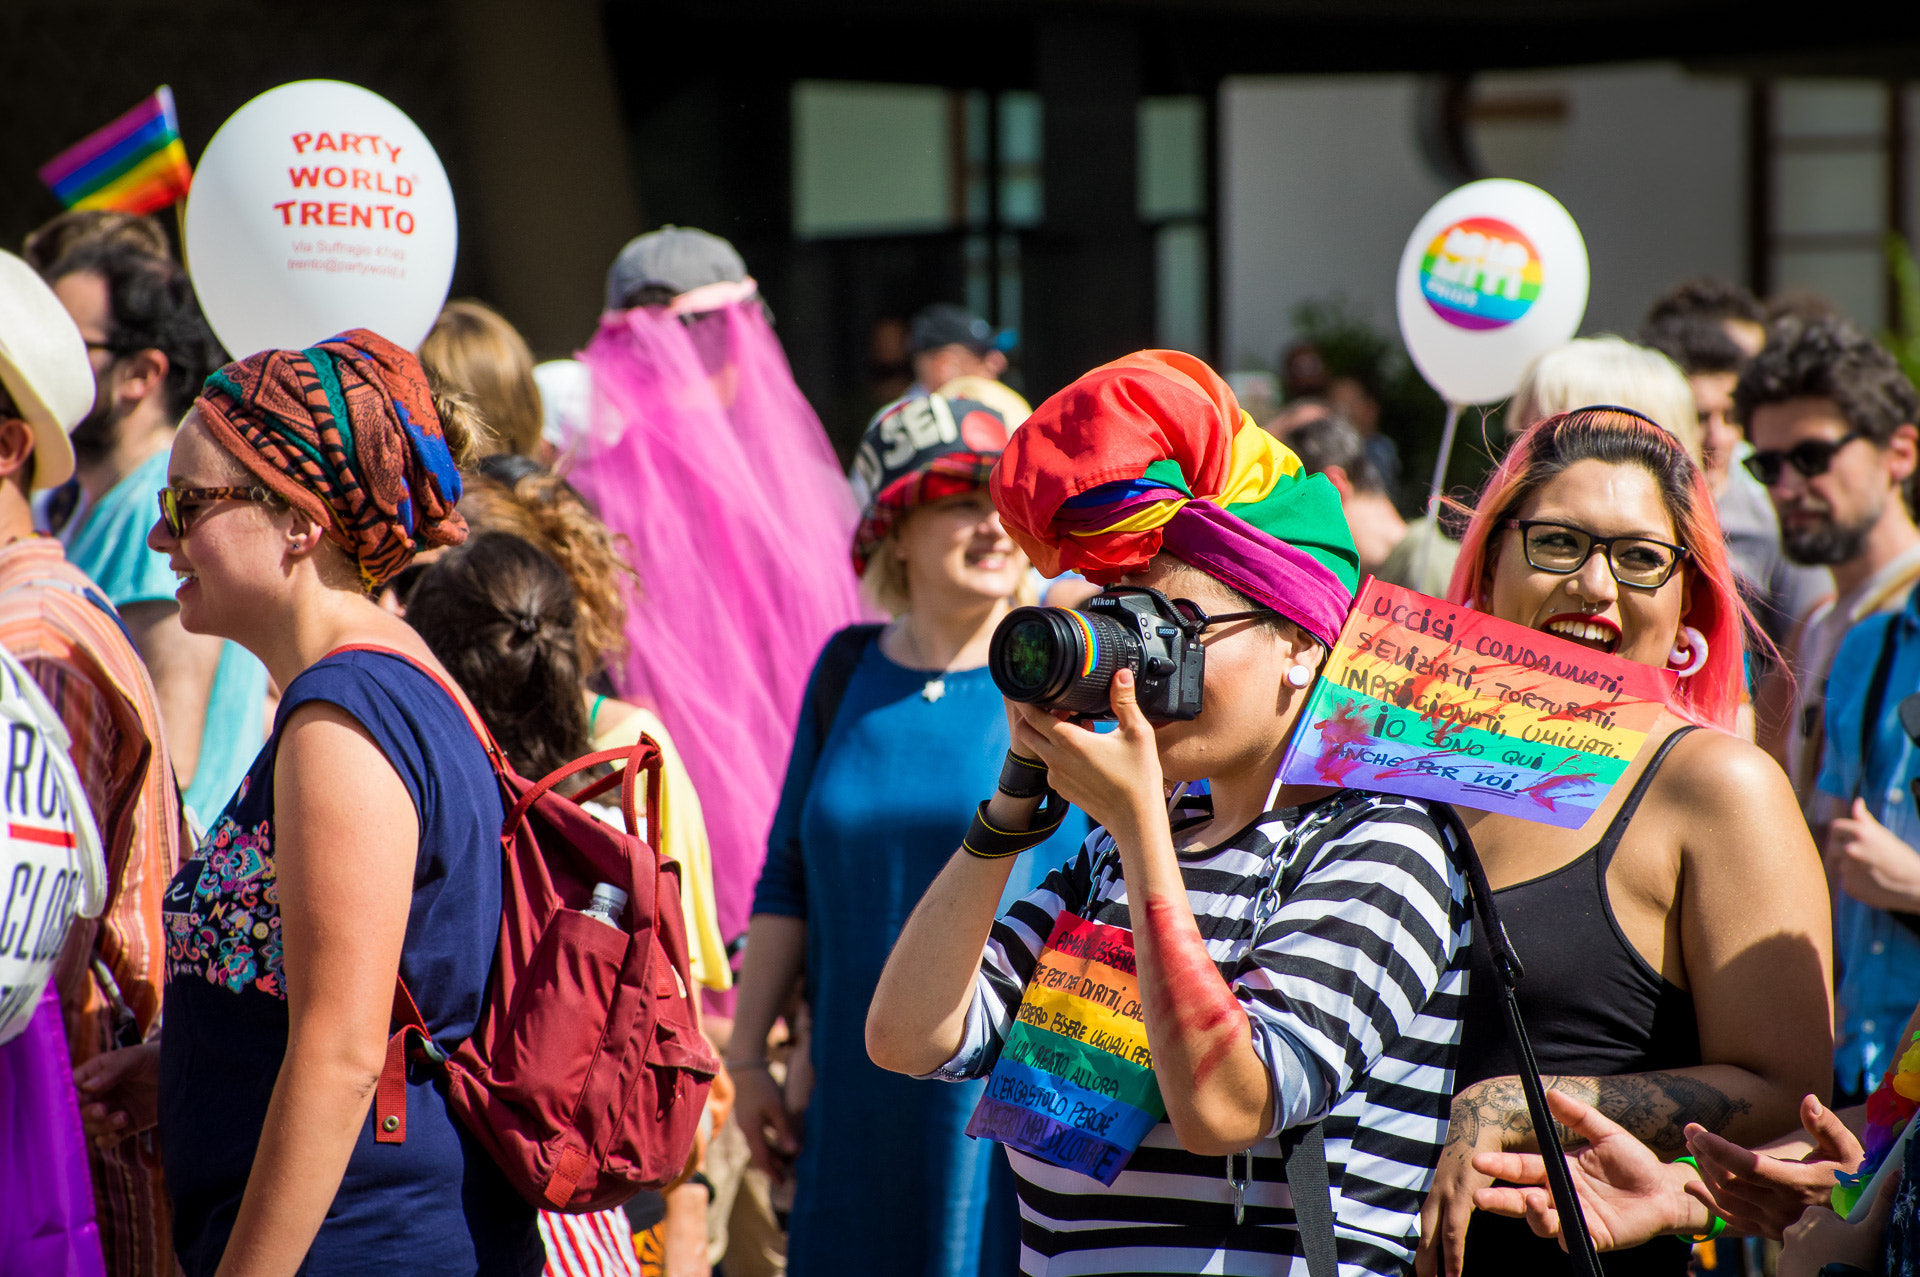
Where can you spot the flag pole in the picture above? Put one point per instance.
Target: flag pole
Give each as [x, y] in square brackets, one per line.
[1433, 493]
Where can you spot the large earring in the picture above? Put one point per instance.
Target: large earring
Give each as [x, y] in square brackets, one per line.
[1299, 675]
[1689, 656]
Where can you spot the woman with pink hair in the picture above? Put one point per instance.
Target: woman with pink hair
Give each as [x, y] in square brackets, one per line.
[1677, 948]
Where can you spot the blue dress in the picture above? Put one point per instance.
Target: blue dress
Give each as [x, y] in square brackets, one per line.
[435, 1203]
[887, 1181]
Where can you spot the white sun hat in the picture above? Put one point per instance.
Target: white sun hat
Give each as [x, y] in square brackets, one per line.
[43, 366]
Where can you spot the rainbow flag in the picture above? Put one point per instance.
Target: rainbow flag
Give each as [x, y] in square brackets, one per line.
[137, 164]
[1074, 1083]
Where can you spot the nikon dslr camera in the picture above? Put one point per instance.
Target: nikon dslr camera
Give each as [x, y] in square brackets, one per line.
[1065, 658]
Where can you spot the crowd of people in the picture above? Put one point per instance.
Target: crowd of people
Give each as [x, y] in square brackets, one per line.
[273, 696]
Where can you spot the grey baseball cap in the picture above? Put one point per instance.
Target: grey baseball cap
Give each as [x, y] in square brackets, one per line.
[677, 258]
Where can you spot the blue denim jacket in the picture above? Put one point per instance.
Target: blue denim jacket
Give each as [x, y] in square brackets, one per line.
[1877, 959]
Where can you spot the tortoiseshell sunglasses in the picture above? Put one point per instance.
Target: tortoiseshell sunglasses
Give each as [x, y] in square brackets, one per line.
[177, 504]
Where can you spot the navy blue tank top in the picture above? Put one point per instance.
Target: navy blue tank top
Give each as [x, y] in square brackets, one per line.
[1594, 1008]
[436, 1203]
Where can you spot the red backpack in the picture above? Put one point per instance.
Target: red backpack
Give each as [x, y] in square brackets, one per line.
[587, 1073]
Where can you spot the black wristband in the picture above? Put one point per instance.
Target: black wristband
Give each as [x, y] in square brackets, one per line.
[700, 1178]
[988, 843]
[1022, 777]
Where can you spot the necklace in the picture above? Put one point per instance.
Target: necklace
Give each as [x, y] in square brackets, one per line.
[936, 687]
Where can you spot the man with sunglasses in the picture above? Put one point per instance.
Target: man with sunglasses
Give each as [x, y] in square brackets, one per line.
[1831, 418]
[54, 620]
[151, 349]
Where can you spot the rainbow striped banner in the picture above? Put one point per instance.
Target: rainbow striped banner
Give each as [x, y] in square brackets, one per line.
[1074, 1083]
[1434, 700]
[137, 164]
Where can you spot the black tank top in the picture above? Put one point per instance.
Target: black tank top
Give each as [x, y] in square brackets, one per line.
[1594, 1008]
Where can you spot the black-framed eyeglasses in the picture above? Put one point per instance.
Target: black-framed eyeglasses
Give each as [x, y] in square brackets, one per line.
[1197, 618]
[1811, 457]
[178, 504]
[1560, 548]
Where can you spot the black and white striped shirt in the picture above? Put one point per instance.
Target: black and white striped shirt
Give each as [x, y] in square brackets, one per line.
[1360, 973]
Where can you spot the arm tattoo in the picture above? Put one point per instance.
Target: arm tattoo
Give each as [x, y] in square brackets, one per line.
[1654, 1107]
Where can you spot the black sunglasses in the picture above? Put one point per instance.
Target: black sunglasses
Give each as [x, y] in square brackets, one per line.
[1811, 458]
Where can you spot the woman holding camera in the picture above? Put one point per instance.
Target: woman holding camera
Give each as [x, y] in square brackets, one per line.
[1677, 947]
[1335, 995]
[900, 727]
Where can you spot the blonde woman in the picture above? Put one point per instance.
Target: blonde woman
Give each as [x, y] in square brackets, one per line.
[1607, 370]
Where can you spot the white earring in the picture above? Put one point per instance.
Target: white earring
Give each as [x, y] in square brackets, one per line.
[1299, 675]
[1688, 656]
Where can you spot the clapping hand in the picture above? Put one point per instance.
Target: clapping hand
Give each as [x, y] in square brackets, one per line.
[1628, 1194]
[1760, 1195]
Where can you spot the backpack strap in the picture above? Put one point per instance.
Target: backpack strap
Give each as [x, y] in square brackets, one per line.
[1306, 1168]
[834, 671]
[390, 1093]
[494, 756]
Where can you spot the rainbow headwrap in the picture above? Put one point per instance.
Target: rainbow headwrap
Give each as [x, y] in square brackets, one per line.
[1152, 452]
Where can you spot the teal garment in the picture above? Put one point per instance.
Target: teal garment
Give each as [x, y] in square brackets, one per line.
[109, 544]
[887, 1179]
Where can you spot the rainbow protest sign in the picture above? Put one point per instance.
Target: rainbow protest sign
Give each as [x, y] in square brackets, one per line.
[1074, 1084]
[1434, 700]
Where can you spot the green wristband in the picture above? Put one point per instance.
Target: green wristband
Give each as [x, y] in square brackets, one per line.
[1719, 1224]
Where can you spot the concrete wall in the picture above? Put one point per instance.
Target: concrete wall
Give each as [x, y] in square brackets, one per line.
[1322, 179]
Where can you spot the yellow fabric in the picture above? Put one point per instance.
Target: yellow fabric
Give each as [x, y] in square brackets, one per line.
[683, 836]
[1146, 517]
[1257, 463]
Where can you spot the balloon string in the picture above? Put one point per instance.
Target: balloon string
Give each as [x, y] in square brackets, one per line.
[1433, 493]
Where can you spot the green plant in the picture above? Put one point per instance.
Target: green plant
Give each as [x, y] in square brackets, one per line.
[1904, 338]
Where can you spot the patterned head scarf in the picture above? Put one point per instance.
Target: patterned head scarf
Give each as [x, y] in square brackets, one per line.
[1152, 452]
[346, 431]
[917, 451]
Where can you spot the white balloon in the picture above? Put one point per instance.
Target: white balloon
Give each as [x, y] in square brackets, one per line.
[319, 207]
[1494, 274]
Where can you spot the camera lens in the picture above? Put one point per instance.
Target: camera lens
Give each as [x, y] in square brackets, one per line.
[1060, 658]
[1028, 655]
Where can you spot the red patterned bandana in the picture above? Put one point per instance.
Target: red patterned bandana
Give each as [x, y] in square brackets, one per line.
[347, 432]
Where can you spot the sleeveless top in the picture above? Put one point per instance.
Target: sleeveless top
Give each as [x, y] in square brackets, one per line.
[435, 1203]
[1594, 1007]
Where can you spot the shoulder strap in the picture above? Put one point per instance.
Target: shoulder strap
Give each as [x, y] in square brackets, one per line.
[1617, 827]
[1313, 1201]
[494, 756]
[1871, 708]
[837, 661]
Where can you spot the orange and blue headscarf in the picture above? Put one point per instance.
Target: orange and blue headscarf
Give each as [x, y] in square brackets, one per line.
[346, 431]
[1152, 452]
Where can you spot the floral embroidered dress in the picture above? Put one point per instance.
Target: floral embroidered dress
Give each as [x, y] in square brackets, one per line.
[435, 1203]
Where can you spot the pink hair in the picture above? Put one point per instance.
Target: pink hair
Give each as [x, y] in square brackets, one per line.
[1619, 436]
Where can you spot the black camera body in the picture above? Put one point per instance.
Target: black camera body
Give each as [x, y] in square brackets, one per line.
[1065, 658]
